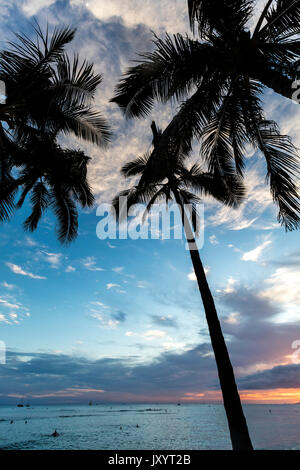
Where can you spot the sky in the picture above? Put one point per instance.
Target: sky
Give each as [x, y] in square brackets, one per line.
[122, 320]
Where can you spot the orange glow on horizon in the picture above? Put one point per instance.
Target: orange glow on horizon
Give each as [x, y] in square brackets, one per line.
[276, 395]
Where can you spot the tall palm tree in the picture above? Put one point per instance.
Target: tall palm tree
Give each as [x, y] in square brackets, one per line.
[219, 79]
[180, 184]
[47, 95]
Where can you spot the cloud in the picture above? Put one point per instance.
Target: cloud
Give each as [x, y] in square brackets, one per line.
[3, 318]
[233, 318]
[141, 284]
[119, 316]
[111, 246]
[284, 290]
[15, 311]
[154, 334]
[70, 269]
[192, 276]
[32, 7]
[287, 376]
[152, 13]
[18, 270]
[163, 320]
[118, 269]
[7, 285]
[90, 264]
[54, 259]
[255, 254]
[167, 377]
[213, 240]
[111, 285]
[7, 304]
[192, 373]
[228, 289]
[256, 205]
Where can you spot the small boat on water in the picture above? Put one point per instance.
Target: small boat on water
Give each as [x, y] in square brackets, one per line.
[21, 404]
[90, 403]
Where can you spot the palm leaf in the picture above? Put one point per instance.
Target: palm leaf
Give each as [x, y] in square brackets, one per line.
[213, 15]
[282, 21]
[66, 214]
[283, 171]
[40, 199]
[171, 71]
[135, 167]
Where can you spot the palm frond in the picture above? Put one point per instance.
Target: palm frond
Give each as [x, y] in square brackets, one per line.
[229, 190]
[83, 122]
[74, 81]
[8, 187]
[40, 199]
[83, 194]
[27, 187]
[213, 15]
[123, 201]
[43, 50]
[135, 167]
[171, 71]
[282, 21]
[66, 214]
[283, 172]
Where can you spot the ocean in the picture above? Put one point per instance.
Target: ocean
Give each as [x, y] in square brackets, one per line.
[140, 426]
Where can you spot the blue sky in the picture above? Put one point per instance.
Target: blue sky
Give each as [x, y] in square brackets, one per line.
[122, 319]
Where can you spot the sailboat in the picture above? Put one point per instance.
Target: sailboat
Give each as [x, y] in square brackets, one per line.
[20, 405]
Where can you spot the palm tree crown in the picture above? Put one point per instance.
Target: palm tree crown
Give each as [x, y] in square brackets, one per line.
[220, 77]
[47, 94]
[179, 180]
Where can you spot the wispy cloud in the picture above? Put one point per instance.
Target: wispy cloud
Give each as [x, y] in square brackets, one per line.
[213, 240]
[118, 269]
[90, 264]
[70, 269]
[255, 254]
[18, 270]
[111, 286]
[8, 286]
[54, 259]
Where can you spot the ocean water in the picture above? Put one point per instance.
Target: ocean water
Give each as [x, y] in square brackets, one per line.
[189, 426]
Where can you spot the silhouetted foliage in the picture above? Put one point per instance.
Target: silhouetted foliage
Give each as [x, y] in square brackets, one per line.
[219, 79]
[47, 95]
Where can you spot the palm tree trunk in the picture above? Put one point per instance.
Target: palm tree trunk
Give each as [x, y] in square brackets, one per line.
[236, 420]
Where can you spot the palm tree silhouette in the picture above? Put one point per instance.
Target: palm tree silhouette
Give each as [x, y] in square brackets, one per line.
[47, 95]
[220, 79]
[180, 184]
[57, 181]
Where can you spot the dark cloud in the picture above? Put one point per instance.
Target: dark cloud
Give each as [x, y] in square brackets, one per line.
[255, 338]
[293, 259]
[170, 375]
[287, 376]
[119, 316]
[249, 303]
